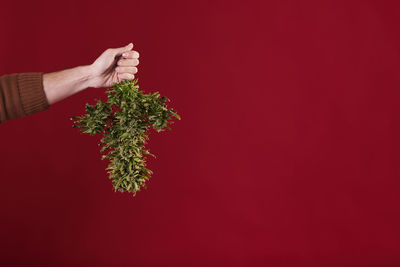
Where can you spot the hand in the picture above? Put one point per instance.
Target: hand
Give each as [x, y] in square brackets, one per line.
[113, 66]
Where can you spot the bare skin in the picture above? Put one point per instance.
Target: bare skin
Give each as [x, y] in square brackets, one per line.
[112, 66]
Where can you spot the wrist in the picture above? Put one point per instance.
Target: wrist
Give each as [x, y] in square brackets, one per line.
[93, 78]
[87, 77]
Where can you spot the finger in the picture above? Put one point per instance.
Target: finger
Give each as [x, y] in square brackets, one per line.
[119, 51]
[131, 54]
[126, 76]
[128, 62]
[132, 70]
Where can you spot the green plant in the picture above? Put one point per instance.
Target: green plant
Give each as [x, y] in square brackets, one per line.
[124, 121]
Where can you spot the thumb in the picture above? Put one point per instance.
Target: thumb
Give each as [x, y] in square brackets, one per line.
[119, 51]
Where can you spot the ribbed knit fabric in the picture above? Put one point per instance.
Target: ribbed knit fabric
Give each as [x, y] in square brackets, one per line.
[21, 94]
[33, 98]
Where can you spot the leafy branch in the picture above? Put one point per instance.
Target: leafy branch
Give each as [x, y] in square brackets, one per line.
[124, 121]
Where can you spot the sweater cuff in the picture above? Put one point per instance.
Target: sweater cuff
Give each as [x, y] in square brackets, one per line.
[33, 97]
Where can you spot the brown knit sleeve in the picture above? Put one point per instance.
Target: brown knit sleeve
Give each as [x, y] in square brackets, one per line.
[21, 94]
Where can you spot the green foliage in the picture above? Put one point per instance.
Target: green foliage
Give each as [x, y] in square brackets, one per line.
[124, 121]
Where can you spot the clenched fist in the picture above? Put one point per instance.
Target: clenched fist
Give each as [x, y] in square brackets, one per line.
[113, 66]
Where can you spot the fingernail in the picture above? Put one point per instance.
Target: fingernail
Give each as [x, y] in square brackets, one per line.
[125, 54]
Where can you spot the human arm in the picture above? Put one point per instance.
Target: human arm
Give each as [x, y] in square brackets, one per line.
[22, 94]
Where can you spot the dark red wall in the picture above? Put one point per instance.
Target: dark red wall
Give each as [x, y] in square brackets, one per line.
[288, 151]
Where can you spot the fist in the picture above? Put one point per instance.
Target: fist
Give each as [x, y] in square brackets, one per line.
[113, 66]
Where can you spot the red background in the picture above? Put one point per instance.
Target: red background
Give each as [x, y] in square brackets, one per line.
[287, 152]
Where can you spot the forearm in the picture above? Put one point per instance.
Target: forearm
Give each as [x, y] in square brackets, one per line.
[62, 84]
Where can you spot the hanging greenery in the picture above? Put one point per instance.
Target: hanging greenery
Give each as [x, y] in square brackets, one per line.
[124, 121]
